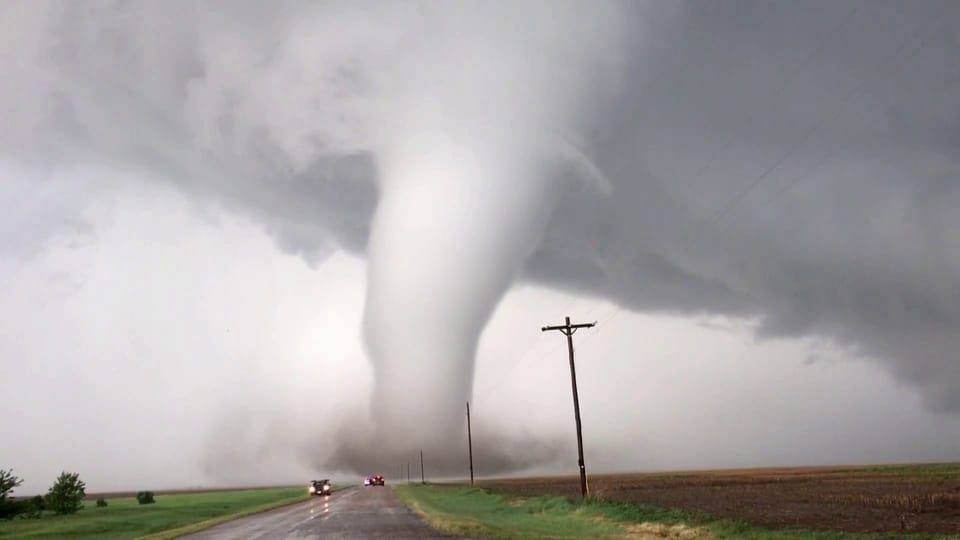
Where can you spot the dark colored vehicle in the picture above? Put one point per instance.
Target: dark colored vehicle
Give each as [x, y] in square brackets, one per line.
[320, 487]
[374, 480]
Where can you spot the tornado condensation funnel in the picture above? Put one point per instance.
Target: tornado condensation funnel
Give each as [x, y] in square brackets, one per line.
[455, 220]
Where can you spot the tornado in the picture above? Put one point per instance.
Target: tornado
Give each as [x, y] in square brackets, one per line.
[456, 219]
[467, 173]
[459, 116]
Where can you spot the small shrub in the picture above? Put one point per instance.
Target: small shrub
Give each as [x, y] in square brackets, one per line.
[9, 507]
[66, 494]
[33, 508]
[145, 497]
[101, 502]
[8, 482]
[36, 507]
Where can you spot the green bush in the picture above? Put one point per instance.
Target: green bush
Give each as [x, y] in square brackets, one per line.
[101, 502]
[8, 482]
[145, 497]
[66, 494]
[11, 508]
[33, 508]
[8, 507]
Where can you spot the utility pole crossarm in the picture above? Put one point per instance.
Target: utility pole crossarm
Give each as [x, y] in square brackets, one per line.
[568, 330]
[565, 328]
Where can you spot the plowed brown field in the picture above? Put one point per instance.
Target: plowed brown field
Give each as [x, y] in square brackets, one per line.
[901, 499]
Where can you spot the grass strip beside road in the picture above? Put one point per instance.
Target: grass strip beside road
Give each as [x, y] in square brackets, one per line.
[479, 513]
[212, 522]
[171, 516]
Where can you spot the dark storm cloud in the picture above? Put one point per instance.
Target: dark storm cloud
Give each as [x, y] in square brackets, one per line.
[794, 162]
[797, 162]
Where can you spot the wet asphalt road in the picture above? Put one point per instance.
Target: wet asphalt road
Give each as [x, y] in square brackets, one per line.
[367, 512]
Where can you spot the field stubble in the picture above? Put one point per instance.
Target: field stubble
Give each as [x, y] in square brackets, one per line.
[919, 499]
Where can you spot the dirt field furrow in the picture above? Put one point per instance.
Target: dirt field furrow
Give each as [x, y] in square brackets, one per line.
[922, 498]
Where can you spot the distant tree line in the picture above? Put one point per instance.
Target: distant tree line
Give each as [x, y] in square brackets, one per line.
[65, 496]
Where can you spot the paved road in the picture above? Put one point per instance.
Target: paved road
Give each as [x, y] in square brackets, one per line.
[370, 512]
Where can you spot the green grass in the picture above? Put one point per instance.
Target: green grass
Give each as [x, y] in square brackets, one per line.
[933, 468]
[170, 516]
[480, 513]
[724, 528]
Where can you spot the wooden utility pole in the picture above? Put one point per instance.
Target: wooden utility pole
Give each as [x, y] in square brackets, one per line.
[423, 479]
[470, 443]
[568, 330]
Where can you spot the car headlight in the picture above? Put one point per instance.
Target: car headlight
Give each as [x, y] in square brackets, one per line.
[326, 487]
[312, 489]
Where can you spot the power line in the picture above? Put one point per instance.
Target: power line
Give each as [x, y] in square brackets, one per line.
[521, 359]
[526, 356]
[786, 84]
[837, 112]
[726, 209]
[828, 154]
[817, 50]
[807, 135]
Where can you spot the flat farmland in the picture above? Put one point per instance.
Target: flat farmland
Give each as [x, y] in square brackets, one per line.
[874, 499]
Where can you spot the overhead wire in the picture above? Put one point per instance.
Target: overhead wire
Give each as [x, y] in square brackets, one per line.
[816, 128]
[808, 134]
[524, 357]
[537, 340]
[727, 208]
[803, 64]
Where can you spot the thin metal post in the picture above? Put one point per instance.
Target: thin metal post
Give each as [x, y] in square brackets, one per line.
[470, 443]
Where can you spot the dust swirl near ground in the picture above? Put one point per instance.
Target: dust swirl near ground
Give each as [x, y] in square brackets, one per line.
[493, 454]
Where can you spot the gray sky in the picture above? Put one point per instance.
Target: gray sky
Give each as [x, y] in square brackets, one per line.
[757, 200]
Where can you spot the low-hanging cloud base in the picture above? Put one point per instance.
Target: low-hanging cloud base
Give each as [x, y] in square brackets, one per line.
[494, 454]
